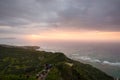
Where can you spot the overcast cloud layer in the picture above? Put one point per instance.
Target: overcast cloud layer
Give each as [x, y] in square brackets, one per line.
[25, 15]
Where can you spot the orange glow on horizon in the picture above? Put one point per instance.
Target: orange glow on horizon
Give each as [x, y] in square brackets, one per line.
[33, 37]
[76, 36]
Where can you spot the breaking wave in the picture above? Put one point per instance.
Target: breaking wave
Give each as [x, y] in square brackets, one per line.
[111, 63]
[86, 58]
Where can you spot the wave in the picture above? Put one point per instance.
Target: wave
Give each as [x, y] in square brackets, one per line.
[90, 59]
[86, 58]
[111, 63]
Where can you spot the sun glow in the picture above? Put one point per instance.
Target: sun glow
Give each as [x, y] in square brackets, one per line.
[76, 36]
[33, 37]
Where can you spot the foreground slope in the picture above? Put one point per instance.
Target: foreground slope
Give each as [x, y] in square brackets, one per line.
[17, 62]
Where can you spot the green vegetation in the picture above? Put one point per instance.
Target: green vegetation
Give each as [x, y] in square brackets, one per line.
[16, 63]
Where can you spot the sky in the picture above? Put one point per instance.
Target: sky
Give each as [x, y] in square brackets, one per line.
[79, 20]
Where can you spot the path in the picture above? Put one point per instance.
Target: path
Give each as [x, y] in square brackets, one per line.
[43, 74]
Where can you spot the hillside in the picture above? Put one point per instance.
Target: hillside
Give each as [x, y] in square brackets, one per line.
[18, 62]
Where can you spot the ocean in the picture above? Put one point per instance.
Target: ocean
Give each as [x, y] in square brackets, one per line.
[102, 55]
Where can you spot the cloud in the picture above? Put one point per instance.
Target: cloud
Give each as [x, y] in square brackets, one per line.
[21, 12]
[94, 14]
[80, 14]
[7, 38]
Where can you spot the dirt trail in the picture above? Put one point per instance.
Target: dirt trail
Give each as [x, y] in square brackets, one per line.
[43, 74]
